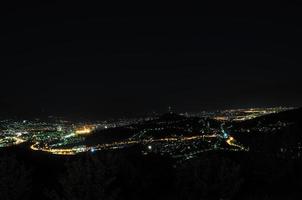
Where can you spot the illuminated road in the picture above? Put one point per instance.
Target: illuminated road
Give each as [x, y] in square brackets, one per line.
[58, 147]
[231, 141]
[71, 151]
[61, 137]
[46, 147]
[116, 145]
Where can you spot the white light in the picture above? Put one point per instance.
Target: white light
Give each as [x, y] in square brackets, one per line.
[18, 134]
[59, 128]
[149, 147]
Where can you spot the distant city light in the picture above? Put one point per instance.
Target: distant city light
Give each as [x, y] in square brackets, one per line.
[68, 138]
[84, 130]
[59, 128]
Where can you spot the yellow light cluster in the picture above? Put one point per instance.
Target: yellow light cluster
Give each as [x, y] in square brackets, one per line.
[84, 130]
[221, 118]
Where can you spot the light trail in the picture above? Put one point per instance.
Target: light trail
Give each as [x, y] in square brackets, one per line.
[37, 146]
[114, 145]
[232, 142]
[66, 151]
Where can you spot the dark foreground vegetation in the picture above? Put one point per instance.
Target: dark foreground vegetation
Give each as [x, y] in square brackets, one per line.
[129, 175]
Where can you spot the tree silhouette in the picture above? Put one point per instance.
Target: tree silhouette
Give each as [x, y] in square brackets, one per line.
[14, 179]
[90, 178]
[208, 178]
[148, 177]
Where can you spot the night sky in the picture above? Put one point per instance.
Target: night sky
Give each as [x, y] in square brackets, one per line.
[89, 61]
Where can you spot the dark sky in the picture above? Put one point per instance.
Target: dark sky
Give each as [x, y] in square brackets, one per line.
[88, 60]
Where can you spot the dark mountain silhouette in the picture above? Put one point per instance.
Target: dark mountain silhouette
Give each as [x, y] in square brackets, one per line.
[167, 125]
[274, 133]
[293, 116]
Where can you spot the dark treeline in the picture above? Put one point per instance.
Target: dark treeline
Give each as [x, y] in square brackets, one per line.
[129, 175]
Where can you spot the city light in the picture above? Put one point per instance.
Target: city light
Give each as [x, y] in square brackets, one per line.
[68, 138]
[83, 130]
